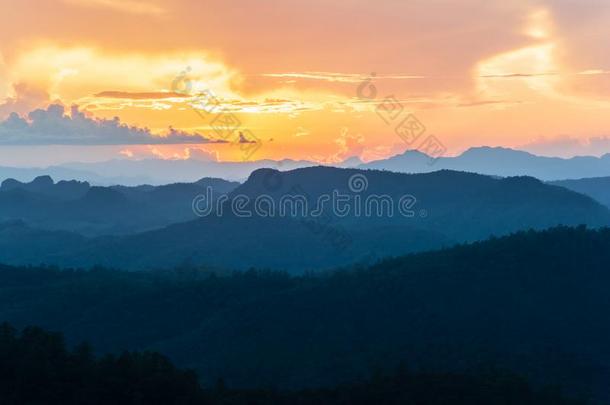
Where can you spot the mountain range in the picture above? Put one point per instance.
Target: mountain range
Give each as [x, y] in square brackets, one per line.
[93, 210]
[493, 161]
[445, 208]
[497, 161]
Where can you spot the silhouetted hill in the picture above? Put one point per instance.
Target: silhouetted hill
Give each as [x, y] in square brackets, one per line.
[92, 211]
[462, 206]
[59, 173]
[37, 367]
[18, 241]
[597, 188]
[44, 185]
[448, 207]
[534, 302]
[498, 162]
[228, 241]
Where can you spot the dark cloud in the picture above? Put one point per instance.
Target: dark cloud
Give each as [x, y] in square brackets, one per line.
[54, 127]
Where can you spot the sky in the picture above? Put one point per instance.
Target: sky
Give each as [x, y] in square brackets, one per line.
[90, 80]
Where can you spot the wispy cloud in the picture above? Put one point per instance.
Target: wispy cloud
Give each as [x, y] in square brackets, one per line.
[125, 6]
[139, 95]
[568, 146]
[594, 72]
[338, 77]
[478, 103]
[518, 75]
[301, 132]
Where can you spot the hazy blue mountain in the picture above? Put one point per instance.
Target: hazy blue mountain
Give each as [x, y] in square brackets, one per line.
[535, 303]
[498, 162]
[225, 242]
[450, 207]
[156, 171]
[18, 241]
[93, 210]
[460, 205]
[63, 173]
[595, 187]
[163, 171]
[484, 160]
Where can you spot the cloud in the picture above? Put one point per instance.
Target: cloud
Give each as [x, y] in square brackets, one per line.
[567, 146]
[478, 103]
[73, 74]
[124, 6]
[201, 154]
[4, 82]
[53, 127]
[169, 152]
[26, 99]
[383, 151]
[158, 95]
[350, 145]
[301, 132]
[340, 77]
[593, 72]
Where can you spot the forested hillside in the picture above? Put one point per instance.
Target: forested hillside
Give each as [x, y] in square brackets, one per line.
[535, 303]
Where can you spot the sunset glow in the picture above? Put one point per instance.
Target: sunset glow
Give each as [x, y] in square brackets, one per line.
[514, 75]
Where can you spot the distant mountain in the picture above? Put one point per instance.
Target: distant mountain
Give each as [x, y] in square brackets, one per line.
[498, 162]
[45, 186]
[535, 303]
[91, 210]
[492, 161]
[63, 173]
[18, 241]
[163, 171]
[447, 207]
[597, 188]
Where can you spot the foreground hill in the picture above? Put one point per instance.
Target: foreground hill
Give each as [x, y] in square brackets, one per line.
[535, 303]
[445, 208]
[40, 359]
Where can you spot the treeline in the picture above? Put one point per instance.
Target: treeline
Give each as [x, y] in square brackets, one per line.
[535, 303]
[36, 367]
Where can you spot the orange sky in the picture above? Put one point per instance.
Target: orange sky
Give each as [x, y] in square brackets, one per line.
[513, 73]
